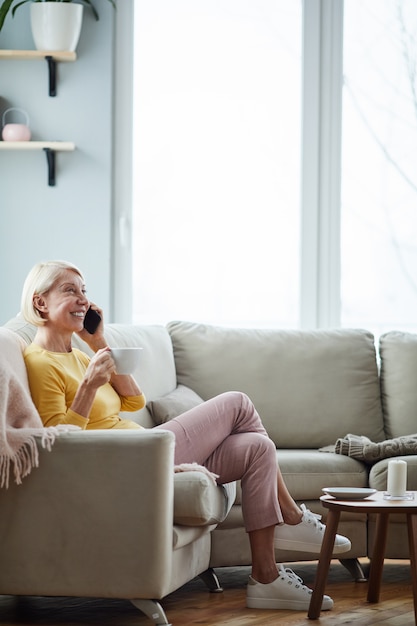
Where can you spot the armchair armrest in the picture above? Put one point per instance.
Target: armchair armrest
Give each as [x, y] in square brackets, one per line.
[94, 519]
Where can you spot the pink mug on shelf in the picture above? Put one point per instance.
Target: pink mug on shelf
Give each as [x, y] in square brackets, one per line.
[16, 132]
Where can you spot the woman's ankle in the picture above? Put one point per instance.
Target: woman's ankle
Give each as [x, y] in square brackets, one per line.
[293, 517]
[264, 577]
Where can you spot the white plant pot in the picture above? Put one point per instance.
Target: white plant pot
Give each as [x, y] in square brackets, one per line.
[56, 25]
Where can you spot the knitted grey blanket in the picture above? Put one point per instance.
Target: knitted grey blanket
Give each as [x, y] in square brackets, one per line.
[361, 448]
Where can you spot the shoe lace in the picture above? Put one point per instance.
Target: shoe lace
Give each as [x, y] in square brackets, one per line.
[286, 572]
[312, 518]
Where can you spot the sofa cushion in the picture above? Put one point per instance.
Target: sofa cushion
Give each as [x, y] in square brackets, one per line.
[398, 352]
[178, 401]
[325, 382]
[156, 373]
[22, 328]
[306, 472]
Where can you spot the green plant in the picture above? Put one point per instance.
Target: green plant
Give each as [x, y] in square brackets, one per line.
[6, 6]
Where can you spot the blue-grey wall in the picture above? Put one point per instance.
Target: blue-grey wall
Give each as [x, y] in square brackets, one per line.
[72, 220]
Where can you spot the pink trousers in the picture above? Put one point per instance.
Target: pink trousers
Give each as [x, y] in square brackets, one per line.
[226, 435]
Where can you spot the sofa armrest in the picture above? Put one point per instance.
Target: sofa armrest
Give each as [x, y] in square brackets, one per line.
[94, 519]
[200, 502]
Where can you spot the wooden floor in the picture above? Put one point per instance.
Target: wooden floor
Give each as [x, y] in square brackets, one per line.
[194, 605]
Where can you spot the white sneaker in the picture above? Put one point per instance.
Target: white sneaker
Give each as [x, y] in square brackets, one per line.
[285, 592]
[307, 536]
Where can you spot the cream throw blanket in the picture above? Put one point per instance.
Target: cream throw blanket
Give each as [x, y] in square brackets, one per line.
[361, 448]
[20, 422]
[195, 467]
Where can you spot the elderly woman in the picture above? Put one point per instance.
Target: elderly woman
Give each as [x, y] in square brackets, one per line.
[224, 434]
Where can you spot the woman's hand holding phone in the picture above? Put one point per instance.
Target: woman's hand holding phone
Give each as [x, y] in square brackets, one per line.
[93, 331]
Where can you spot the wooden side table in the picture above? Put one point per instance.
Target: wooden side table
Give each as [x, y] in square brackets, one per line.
[383, 508]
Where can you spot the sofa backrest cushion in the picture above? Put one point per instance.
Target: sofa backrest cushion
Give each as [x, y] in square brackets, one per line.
[168, 406]
[156, 373]
[310, 387]
[398, 353]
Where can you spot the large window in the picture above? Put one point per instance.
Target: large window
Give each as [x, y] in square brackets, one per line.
[379, 171]
[275, 163]
[217, 160]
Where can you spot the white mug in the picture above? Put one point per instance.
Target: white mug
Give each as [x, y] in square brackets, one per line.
[126, 360]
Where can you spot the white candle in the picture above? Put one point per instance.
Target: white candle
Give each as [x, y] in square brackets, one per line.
[397, 477]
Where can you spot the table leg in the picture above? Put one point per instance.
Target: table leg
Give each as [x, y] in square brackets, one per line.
[412, 542]
[326, 552]
[377, 562]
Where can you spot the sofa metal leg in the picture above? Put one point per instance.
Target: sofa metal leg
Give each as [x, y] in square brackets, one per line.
[209, 577]
[355, 568]
[153, 610]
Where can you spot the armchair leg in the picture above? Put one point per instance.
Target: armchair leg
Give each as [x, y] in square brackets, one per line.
[209, 577]
[153, 610]
[355, 568]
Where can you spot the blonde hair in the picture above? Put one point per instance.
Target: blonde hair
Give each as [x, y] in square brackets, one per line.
[38, 282]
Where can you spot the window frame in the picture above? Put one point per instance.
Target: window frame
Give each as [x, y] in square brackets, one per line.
[321, 163]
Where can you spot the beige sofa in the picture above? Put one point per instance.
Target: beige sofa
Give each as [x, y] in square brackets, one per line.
[105, 516]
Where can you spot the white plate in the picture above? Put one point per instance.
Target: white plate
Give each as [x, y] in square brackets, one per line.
[348, 493]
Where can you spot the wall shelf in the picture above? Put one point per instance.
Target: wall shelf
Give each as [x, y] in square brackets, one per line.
[51, 57]
[49, 147]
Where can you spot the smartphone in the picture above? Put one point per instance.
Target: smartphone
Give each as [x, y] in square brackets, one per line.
[91, 321]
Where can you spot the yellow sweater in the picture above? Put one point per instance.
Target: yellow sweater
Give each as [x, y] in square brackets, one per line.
[54, 378]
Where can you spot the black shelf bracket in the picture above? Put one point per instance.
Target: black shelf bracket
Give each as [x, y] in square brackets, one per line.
[50, 159]
[52, 74]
